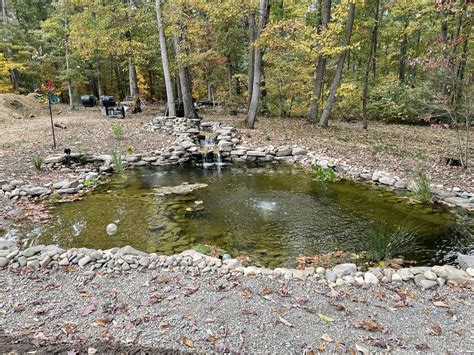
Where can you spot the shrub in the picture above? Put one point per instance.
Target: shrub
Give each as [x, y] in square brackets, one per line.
[37, 162]
[129, 148]
[81, 159]
[422, 188]
[393, 102]
[323, 174]
[117, 131]
[385, 245]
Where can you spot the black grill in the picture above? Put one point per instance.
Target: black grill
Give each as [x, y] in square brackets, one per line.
[88, 100]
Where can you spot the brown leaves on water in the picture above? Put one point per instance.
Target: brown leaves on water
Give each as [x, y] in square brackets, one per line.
[369, 325]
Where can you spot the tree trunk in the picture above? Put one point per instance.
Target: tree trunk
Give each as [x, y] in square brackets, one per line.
[132, 78]
[403, 55]
[370, 63]
[164, 60]
[69, 82]
[340, 66]
[251, 55]
[252, 114]
[325, 13]
[4, 11]
[179, 94]
[229, 77]
[97, 70]
[185, 82]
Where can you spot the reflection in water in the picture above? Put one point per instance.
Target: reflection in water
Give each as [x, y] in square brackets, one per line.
[271, 214]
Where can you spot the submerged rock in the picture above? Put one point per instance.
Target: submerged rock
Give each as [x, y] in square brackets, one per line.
[182, 189]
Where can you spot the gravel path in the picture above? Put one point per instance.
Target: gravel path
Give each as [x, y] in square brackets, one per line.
[164, 311]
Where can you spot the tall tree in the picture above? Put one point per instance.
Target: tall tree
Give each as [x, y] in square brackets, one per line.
[340, 66]
[370, 64]
[252, 112]
[165, 62]
[251, 55]
[318, 82]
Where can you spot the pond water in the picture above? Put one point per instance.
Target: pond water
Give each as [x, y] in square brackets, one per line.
[271, 214]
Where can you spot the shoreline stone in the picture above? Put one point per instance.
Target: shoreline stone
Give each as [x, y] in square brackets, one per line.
[129, 259]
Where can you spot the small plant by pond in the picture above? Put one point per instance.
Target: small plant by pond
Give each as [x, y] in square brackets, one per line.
[117, 131]
[384, 245]
[117, 162]
[129, 148]
[323, 174]
[422, 188]
[81, 159]
[37, 162]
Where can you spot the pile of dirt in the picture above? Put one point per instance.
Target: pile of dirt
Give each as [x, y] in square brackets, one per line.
[13, 106]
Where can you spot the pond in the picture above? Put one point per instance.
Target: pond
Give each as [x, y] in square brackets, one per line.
[271, 214]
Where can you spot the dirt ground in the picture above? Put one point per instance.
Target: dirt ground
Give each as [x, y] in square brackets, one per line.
[25, 132]
[86, 130]
[401, 149]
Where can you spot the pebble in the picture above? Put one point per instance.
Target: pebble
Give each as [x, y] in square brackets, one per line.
[430, 275]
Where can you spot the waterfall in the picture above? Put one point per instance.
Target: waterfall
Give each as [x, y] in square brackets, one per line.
[211, 155]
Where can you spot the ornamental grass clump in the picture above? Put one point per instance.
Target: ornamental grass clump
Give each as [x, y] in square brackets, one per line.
[386, 245]
[422, 188]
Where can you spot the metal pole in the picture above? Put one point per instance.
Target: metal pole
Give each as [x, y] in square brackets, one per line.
[52, 124]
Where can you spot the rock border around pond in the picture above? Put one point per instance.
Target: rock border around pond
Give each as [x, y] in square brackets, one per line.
[128, 259]
[228, 142]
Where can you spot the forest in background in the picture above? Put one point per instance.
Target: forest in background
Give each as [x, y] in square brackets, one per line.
[390, 60]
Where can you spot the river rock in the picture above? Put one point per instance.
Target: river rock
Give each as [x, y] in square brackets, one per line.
[128, 250]
[232, 263]
[83, 261]
[3, 262]
[430, 275]
[283, 152]
[45, 262]
[298, 151]
[439, 271]
[370, 279]
[387, 180]
[300, 275]
[470, 271]
[427, 284]
[419, 278]
[465, 261]
[456, 275]
[33, 250]
[406, 274]
[330, 275]
[344, 269]
[34, 264]
[37, 191]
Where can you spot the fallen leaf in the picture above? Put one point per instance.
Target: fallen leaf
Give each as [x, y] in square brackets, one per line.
[325, 318]
[248, 312]
[247, 293]
[85, 294]
[88, 309]
[421, 346]
[188, 342]
[284, 321]
[100, 322]
[440, 304]
[436, 330]
[369, 326]
[320, 347]
[361, 349]
[266, 291]
[327, 338]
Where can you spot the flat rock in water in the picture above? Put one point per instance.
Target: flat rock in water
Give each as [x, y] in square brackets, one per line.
[183, 189]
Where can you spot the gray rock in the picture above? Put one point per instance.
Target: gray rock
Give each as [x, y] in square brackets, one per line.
[465, 261]
[33, 250]
[387, 180]
[427, 284]
[84, 260]
[125, 266]
[330, 275]
[128, 250]
[299, 151]
[283, 151]
[344, 269]
[370, 279]
[430, 275]
[34, 264]
[419, 278]
[255, 153]
[45, 262]
[406, 274]
[469, 271]
[456, 275]
[37, 191]
[300, 275]
[232, 263]
[439, 271]
[22, 260]
[3, 262]
[64, 262]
